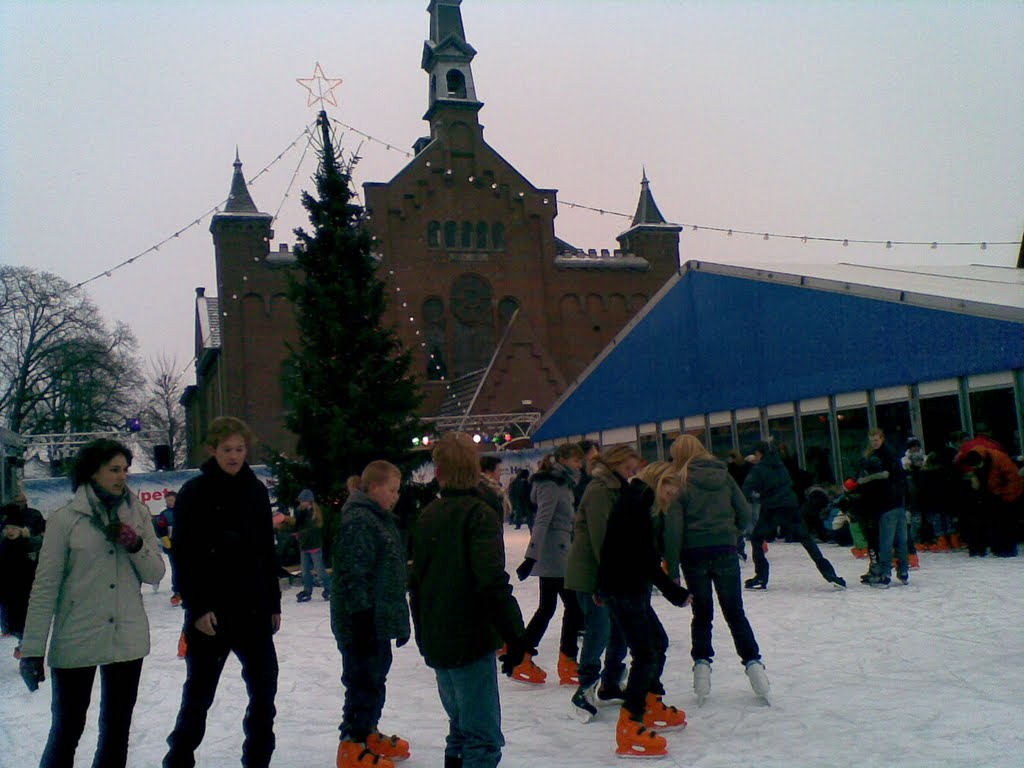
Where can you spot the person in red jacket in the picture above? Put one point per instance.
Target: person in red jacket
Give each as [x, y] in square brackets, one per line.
[996, 486]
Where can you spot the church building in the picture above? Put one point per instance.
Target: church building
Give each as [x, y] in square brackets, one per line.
[500, 314]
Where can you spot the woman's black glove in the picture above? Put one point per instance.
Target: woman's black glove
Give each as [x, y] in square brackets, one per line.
[525, 568]
[677, 595]
[32, 672]
[513, 656]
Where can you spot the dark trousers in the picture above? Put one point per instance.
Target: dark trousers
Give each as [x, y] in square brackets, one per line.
[723, 574]
[72, 689]
[364, 677]
[552, 588]
[15, 587]
[253, 643]
[765, 527]
[648, 644]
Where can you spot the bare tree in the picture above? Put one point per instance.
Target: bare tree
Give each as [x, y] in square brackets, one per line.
[163, 416]
[61, 368]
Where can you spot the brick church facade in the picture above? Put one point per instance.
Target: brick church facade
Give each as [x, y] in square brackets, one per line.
[501, 315]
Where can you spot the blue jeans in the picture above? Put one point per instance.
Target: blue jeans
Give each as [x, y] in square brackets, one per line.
[469, 694]
[364, 678]
[601, 634]
[313, 558]
[723, 573]
[892, 539]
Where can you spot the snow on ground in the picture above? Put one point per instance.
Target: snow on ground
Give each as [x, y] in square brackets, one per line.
[926, 675]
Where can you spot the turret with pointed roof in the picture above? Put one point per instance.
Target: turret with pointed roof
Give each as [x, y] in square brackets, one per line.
[649, 232]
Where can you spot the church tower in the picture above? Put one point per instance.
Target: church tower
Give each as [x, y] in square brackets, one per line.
[649, 235]
[256, 317]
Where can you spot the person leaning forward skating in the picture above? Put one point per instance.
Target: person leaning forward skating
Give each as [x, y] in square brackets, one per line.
[224, 541]
[770, 482]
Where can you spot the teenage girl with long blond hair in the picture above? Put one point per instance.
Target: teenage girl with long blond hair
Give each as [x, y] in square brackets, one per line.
[711, 512]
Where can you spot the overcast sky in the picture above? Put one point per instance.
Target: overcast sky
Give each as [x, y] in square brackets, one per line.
[864, 120]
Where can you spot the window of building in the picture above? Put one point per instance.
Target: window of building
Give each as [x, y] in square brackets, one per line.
[481, 235]
[506, 308]
[853, 438]
[817, 446]
[993, 410]
[434, 234]
[749, 434]
[451, 232]
[894, 420]
[498, 235]
[456, 82]
[721, 441]
[783, 432]
[467, 234]
[940, 417]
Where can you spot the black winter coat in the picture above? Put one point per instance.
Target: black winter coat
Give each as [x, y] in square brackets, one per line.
[770, 479]
[223, 542]
[630, 561]
[461, 598]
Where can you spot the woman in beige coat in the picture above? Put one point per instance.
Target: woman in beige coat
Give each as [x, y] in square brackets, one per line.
[97, 551]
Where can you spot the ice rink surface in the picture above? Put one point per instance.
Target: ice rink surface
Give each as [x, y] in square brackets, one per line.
[928, 675]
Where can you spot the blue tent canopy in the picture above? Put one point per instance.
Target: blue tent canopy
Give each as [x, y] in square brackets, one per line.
[716, 342]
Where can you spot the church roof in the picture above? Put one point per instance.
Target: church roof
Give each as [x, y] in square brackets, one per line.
[755, 336]
[646, 209]
[239, 199]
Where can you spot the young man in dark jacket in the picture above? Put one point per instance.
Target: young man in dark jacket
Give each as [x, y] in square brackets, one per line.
[368, 611]
[224, 541]
[462, 605]
[770, 483]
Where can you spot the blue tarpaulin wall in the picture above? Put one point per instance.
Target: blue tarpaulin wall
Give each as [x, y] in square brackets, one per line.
[716, 342]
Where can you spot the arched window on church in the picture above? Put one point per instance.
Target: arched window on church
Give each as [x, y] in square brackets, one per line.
[434, 323]
[451, 231]
[434, 234]
[506, 308]
[467, 234]
[498, 235]
[456, 84]
[481, 235]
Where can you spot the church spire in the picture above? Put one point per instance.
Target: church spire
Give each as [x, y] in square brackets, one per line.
[447, 58]
[646, 209]
[239, 199]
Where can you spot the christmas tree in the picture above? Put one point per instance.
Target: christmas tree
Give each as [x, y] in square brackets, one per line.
[352, 395]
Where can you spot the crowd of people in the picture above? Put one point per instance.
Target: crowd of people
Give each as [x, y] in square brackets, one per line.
[606, 531]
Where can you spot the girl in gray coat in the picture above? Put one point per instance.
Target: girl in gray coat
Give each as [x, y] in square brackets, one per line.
[96, 553]
[546, 558]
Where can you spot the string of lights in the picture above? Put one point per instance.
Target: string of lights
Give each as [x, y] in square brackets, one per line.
[196, 222]
[730, 231]
[291, 182]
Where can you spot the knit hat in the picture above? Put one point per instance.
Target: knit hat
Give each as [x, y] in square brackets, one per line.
[305, 495]
[913, 442]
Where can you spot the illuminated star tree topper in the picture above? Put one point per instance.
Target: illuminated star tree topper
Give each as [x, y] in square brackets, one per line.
[320, 88]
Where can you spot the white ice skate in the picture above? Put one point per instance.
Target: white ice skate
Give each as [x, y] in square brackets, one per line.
[701, 679]
[759, 680]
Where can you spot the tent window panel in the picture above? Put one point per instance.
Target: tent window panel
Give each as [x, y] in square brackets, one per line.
[994, 410]
[894, 420]
[749, 434]
[817, 447]
[649, 447]
[853, 438]
[783, 432]
[721, 441]
[940, 417]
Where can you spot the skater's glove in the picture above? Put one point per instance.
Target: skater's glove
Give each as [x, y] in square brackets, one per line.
[125, 535]
[678, 596]
[525, 568]
[32, 672]
[364, 635]
[512, 657]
